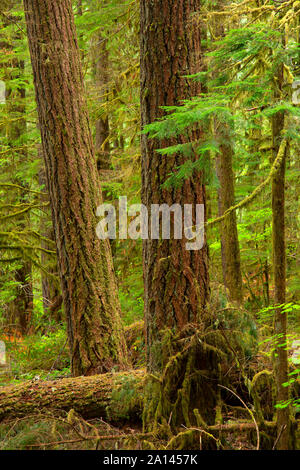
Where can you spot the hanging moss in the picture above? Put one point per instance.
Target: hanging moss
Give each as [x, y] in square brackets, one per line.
[194, 363]
[262, 391]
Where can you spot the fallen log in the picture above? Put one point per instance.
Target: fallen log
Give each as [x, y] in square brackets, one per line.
[114, 396]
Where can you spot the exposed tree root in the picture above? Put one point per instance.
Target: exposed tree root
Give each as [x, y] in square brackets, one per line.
[184, 407]
[195, 363]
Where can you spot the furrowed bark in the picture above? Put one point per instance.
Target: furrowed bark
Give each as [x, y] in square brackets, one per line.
[88, 282]
[176, 280]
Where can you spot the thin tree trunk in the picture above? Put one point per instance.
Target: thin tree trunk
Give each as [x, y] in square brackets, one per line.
[16, 128]
[279, 267]
[230, 249]
[88, 282]
[51, 292]
[102, 142]
[102, 127]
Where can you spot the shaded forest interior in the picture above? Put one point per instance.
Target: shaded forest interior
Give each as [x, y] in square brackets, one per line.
[125, 338]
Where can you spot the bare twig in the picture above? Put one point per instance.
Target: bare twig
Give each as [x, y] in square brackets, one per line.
[279, 436]
[250, 412]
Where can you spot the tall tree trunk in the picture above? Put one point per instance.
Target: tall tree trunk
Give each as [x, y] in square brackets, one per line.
[230, 249]
[102, 127]
[102, 143]
[23, 304]
[16, 128]
[79, 7]
[51, 292]
[88, 282]
[176, 280]
[279, 267]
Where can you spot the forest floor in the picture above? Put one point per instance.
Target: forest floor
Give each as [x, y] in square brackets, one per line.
[40, 358]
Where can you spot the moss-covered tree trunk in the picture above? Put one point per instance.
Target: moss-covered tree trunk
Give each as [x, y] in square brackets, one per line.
[88, 282]
[22, 306]
[23, 303]
[230, 249]
[231, 262]
[51, 291]
[102, 142]
[176, 280]
[279, 268]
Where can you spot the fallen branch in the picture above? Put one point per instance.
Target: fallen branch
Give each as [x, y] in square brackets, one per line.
[249, 411]
[117, 437]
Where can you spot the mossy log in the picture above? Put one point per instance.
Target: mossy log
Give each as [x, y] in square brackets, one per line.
[112, 396]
